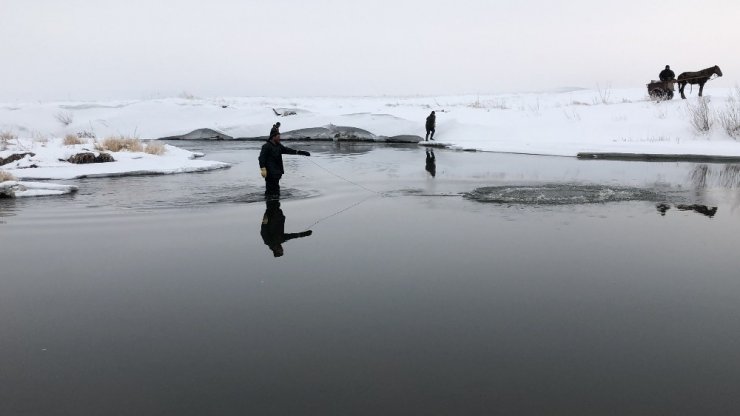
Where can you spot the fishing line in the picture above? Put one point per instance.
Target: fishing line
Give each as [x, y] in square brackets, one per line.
[344, 179]
[375, 193]
[338, 212]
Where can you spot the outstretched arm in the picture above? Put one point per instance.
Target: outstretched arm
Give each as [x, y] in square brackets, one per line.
[288, 150]
[290, 236]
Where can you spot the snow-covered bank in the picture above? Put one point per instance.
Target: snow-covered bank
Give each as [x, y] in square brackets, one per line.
[48, 159]
[15, 189]
[558, 123]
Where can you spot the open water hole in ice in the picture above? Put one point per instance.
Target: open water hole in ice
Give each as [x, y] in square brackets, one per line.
[506, 284]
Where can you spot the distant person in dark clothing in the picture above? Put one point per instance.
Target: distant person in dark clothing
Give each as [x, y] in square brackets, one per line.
[275, 129]
[271, 163]
[431, 122]
[667, 74]
[273, 228]
[431, 166]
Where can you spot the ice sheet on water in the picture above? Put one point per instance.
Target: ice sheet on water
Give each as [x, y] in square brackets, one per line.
[562, 194]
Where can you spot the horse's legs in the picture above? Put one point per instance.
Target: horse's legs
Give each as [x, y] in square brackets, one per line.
[681, 86]
[701, 88]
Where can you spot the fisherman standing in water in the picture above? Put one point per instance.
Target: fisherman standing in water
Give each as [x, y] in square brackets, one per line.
[271, 162]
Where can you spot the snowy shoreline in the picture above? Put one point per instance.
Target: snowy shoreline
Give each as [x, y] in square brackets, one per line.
[596, 124]
[23, 160]
[16, 189]
[563, 123]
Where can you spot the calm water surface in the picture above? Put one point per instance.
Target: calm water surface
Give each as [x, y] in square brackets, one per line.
[506, 284]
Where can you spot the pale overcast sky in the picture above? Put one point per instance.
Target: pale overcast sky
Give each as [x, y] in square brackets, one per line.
[99, 49]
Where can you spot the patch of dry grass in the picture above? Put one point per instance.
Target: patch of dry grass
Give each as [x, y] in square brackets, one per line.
[5, 176]
[5, 138]
[39, 137]
[64, 117]
[72, 139]
[85, 134]
[604, 94]
[700, 115]
[120, 144]
[729, 117]
[155, 148]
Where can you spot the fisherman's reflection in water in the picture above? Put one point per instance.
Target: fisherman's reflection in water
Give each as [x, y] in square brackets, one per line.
[273, 228]
[701, 209]
[431, 166]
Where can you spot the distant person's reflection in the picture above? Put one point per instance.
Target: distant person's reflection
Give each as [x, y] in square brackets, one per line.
[701, 209]
[273, 228]
[662, 208]
[431, 165]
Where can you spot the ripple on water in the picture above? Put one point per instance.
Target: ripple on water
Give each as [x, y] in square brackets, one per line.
[562, 194]
[253, 197]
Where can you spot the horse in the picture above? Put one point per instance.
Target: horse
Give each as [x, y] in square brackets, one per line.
[699, 77]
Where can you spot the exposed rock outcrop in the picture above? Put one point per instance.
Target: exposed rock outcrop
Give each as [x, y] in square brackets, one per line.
[200, 134]
[14, 157]
[330, 132]
[284, 112]
[325, 133]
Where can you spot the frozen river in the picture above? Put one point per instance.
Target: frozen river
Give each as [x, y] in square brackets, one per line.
[505, 284]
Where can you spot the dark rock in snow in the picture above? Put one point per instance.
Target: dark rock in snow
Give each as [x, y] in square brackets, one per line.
[14, 157]
[89, 157]
[104, 158]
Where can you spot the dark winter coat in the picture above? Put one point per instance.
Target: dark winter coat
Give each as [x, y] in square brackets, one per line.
[431, 121]
[666, 75]
[271, 157]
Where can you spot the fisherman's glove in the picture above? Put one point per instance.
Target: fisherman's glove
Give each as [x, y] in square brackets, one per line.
[304, 153]
[263, 172]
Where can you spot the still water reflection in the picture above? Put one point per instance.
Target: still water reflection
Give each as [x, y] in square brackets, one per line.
[273, 228]
[430, 164]
[165, 295]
